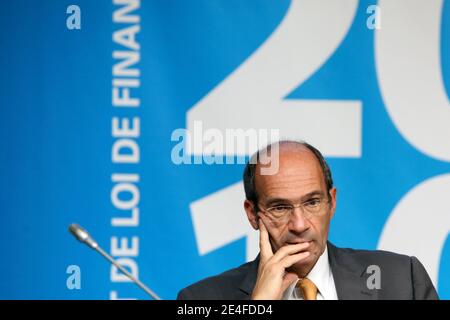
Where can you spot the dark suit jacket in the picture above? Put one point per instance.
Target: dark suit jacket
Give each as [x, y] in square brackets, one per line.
[402, 277]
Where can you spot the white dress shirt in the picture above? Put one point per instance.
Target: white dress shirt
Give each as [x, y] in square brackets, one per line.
[322, 277]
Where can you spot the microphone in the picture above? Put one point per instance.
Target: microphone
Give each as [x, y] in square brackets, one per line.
[83, 236]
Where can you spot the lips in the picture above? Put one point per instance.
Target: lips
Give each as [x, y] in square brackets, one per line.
[298, 242]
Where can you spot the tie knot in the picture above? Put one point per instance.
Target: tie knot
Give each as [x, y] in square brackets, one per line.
[308, 288]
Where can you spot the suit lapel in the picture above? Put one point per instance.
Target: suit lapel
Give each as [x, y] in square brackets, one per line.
[350, 277]
[249, 281]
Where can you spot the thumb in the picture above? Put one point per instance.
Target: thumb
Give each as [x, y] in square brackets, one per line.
[288, 279]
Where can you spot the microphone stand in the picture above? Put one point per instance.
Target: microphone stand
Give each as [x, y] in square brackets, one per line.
[83, 236]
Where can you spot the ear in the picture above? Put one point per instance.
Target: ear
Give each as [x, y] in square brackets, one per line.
[333, 193]
[252, 216]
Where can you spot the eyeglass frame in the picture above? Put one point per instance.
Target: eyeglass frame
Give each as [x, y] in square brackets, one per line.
[307, 214]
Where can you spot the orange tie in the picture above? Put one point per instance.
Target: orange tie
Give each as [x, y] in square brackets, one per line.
[308, 288]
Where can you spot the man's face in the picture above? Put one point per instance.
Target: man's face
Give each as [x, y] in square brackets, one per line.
[298, 180]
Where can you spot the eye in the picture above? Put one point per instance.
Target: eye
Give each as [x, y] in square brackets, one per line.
[280, 209]
[315, 202]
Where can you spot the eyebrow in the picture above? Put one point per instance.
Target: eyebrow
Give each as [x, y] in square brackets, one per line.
[272, 201]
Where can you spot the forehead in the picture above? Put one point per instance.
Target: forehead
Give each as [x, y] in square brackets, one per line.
[299, 173]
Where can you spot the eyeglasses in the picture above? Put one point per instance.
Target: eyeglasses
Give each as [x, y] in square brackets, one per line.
[310, 208]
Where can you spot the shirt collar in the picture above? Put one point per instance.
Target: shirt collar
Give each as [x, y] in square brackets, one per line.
[322, 277]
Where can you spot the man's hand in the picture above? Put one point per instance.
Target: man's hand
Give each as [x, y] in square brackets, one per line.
[273, 279]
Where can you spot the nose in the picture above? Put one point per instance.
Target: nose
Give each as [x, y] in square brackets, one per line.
[298, 223]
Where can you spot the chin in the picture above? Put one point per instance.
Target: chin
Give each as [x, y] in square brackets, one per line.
[312, 258]
[303, 267]
[305, 262]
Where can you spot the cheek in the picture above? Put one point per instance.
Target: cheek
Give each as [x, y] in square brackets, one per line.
[277, 233]
[321, 228]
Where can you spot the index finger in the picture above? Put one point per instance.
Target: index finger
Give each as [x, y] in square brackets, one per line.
[264, 243]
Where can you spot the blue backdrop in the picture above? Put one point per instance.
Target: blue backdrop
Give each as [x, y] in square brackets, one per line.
[389, 148]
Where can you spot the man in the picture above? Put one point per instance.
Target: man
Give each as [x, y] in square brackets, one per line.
[292, 209]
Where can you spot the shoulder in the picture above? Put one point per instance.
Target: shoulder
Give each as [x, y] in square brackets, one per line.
[365, 257]
[222, 286]
[389, 263]
[402, 276]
